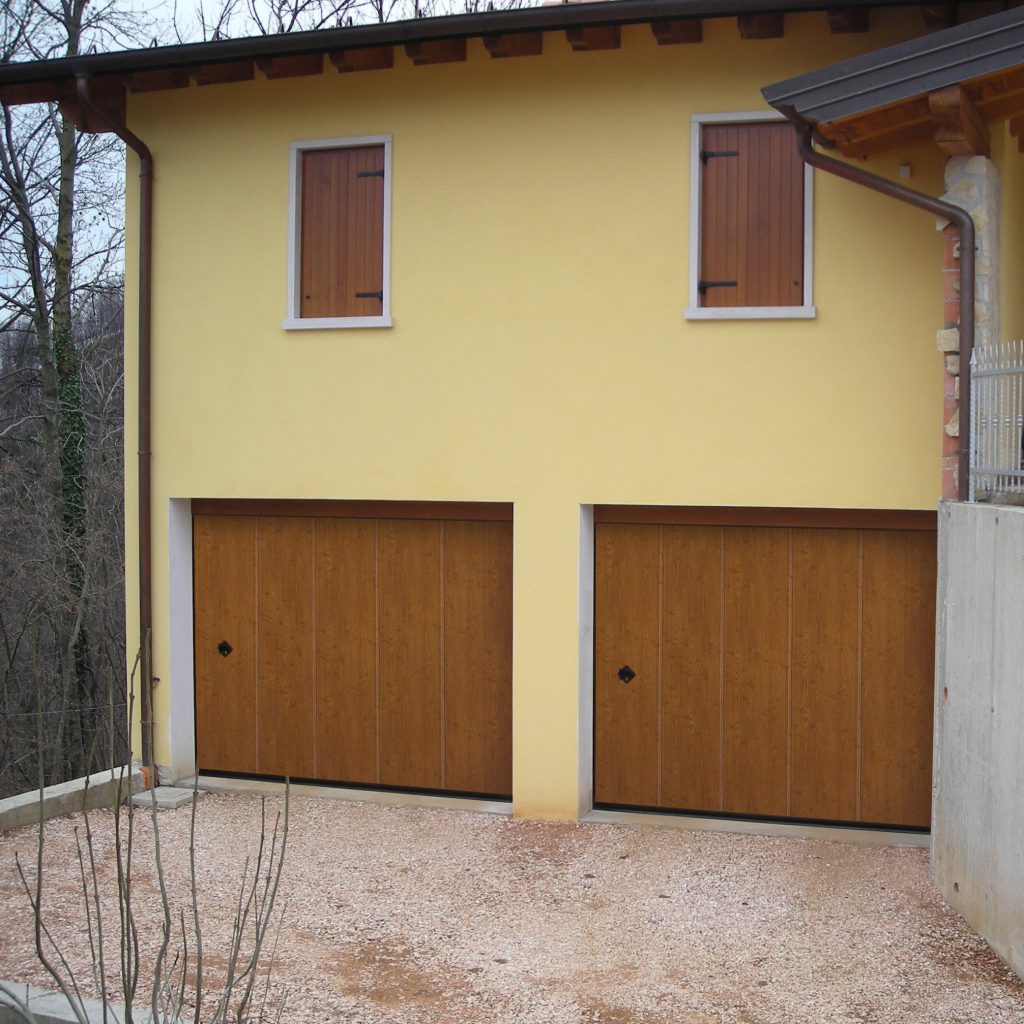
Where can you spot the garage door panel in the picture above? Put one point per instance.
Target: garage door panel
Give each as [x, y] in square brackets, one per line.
[224, 556]
[478, 656]
[410, 654]
[898, 677]
[627, 606]
[797, 655]
[756, 670]
[346, 650]
[826, 625]
[692, 667]
[286, 646]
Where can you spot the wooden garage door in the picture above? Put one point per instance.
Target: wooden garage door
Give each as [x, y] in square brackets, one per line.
[778, 670]
[366, 649]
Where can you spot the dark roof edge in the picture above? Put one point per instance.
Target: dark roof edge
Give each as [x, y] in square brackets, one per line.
[529, 19]
[971, 50]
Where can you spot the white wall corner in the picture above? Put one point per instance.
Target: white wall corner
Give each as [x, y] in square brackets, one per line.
[585, 739]
[181, 724]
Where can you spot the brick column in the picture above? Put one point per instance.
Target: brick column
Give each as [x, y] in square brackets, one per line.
[972, 182]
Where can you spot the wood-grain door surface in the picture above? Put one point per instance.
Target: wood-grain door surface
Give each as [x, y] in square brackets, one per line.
[778, 672]
[366, 651]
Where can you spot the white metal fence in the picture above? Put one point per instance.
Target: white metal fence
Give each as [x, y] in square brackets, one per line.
[997, 423]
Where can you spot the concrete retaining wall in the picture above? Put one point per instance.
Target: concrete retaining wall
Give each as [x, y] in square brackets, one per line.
[46, 1006]
[67, 797]
[978, 806]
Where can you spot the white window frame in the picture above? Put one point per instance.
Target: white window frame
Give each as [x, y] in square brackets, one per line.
[695, 311]
[293, 321]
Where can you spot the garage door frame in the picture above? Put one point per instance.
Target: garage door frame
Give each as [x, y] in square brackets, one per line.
[181, 652]
[717, 516]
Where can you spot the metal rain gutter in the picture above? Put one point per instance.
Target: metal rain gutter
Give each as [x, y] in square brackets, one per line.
[119, 128]
[553, 17]
[940, 208]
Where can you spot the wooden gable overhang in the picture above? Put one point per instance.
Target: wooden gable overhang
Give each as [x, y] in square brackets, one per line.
[367, 47]
[946, 88]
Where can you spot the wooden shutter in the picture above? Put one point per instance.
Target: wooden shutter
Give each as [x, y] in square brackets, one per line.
[342, 224]
[752, 216]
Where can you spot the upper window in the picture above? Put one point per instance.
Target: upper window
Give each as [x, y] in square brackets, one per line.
[338, 274]
[750, 251]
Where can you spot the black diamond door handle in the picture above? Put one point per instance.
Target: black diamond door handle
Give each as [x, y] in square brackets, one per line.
[626, 674]
[224, 648]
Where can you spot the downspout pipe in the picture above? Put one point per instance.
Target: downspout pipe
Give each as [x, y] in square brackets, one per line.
[110, 121]
[965, 225]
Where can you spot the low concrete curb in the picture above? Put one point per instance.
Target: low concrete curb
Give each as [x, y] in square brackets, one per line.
[47, 1007]
[68, 797]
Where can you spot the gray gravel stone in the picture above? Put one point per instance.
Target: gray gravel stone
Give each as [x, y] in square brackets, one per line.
[397, 915]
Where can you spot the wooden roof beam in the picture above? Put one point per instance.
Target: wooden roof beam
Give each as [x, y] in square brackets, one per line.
[367, 58]
[594, 37]
[436, 51]
[668, 33]
[219, 74]
[958, 128]
[514, 44]
[864, 147]
[154, 81]
[761, 26]
[849, 19]
[291, 67]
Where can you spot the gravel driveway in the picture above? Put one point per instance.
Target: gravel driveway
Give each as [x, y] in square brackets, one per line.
[401, 914]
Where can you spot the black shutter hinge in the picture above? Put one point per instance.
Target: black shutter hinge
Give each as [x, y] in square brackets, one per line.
[370, 295]
[703, 286]
[369, 174]
[707, 154]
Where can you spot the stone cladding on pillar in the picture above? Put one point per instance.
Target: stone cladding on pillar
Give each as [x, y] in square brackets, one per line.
[972, 182]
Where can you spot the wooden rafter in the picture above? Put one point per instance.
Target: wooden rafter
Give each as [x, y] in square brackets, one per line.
[153, 81]
[514, 44]
[436, 51]
[761, 26]
[955, 118]
[594, 37]
[219, 74]
[292, 67]
[959, 129]
[683, 31]
[367, 58]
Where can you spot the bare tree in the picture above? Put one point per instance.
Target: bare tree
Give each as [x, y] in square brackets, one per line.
[221, 19]
[60, 249]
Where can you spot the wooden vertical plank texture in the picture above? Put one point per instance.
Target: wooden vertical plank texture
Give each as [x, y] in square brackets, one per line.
[627, 562]
[756, 670]
[342, 228]
[826, 610]
[410, 653]
[752, 215]
[286, 646]
[224, 560]
[346, 651]
[691, 668]
[478, 657]
[898, 677]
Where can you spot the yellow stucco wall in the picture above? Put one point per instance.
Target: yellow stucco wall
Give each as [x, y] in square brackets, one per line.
[539, 353]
